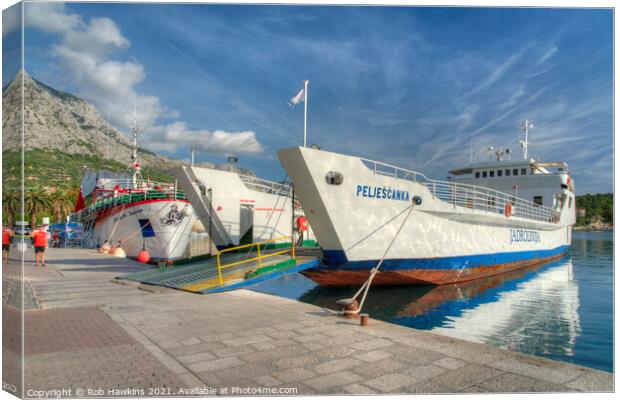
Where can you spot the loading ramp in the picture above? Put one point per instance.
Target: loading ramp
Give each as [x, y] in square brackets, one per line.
[232, 268]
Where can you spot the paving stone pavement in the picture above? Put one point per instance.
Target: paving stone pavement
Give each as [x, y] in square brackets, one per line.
[244, 342]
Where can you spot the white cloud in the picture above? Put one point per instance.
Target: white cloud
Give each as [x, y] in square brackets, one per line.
[85, 51]
[547, 55]
[216, 142]
[466, 117]
[50, 17]
[498, 71]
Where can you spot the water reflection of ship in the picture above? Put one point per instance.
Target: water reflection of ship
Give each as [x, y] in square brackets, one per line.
[533, 310]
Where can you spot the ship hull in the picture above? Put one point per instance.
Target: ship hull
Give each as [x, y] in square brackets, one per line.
[162, 227]
[428, 271]
[440, 242]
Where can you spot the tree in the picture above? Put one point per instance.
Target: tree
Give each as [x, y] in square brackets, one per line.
[36, 200]
[11, 204]
[61, 203]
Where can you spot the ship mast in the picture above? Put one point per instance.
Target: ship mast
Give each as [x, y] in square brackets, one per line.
[135, 129]
[526, 126]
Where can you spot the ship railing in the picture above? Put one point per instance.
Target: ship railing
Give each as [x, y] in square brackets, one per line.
[111, 184]
[124, 195]
[260, 256]
[470, 196]
[265, 186]
[489, 200]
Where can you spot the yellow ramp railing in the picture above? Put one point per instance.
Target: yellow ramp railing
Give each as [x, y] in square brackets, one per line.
[260, 257]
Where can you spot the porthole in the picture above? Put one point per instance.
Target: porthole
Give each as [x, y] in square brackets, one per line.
[334, 178]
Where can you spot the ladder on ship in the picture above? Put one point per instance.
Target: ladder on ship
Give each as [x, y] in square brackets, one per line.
[199, 197]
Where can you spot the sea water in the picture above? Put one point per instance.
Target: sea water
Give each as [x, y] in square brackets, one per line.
[561, 310]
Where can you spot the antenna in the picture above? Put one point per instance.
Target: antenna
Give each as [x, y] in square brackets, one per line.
[135, 129]
[193, 153]
[526, 126]
[490, 151]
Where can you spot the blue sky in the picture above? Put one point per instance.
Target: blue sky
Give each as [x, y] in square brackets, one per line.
[404, 85]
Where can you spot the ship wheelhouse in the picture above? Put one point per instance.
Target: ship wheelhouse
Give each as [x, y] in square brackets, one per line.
[546, 184]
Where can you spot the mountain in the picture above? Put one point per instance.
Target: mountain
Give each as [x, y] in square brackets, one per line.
[55, 120]
[63, 133]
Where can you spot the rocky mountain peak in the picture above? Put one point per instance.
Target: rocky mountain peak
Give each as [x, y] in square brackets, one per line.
[56, 120]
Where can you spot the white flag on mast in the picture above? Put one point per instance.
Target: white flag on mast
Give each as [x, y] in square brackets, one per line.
[298, 98]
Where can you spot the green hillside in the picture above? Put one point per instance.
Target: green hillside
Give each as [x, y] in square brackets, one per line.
[52, 182]
[597, 206]
[53, 167]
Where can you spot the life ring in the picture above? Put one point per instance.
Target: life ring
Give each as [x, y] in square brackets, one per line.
[508, 209]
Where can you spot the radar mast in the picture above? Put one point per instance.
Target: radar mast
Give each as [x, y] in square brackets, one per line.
[135, 129]
[526, 126]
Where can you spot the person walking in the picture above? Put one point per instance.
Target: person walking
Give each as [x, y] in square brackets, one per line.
[7, 238]
[39, 237]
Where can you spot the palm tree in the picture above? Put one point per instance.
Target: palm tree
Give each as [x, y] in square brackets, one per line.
[72, 194]
[36, 200]
[11, 203]
[61, 203]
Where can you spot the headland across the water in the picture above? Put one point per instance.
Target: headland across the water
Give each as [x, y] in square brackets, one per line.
[91, 335]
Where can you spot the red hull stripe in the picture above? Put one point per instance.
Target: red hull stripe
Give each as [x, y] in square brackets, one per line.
[104, 214]
[343, 277]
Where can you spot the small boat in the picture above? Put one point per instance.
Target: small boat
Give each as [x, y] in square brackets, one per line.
[486, 219]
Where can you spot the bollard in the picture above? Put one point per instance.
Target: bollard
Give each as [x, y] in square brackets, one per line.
[364, 319]
[348, 305]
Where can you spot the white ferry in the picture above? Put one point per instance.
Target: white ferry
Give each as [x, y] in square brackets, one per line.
[489, 218]
[237, 208]
[135, 213]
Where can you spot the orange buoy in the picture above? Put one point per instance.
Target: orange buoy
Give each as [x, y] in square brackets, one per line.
[144, 256]
[508, 209]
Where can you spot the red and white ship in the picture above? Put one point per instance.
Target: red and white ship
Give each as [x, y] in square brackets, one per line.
[135, 213]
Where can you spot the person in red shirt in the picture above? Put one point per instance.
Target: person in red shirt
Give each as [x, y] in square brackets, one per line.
[39, 238]
[7, 236]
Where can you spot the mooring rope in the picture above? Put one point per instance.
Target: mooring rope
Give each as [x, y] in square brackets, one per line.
[378, 229]
[120, 214]
[366, 286]
[141, 227]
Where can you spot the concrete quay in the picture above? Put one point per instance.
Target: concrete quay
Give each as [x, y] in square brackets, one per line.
[83, 331]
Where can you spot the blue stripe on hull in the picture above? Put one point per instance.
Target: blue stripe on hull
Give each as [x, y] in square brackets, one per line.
[337, 259]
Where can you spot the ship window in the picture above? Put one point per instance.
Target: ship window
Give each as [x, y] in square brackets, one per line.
[477, 174]
[491, 174]
[499, 172]
[507, 172]
[484, 174]
[334, 178]
[570, 202]
[515, 172]
[523, 171]
[538, 200]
